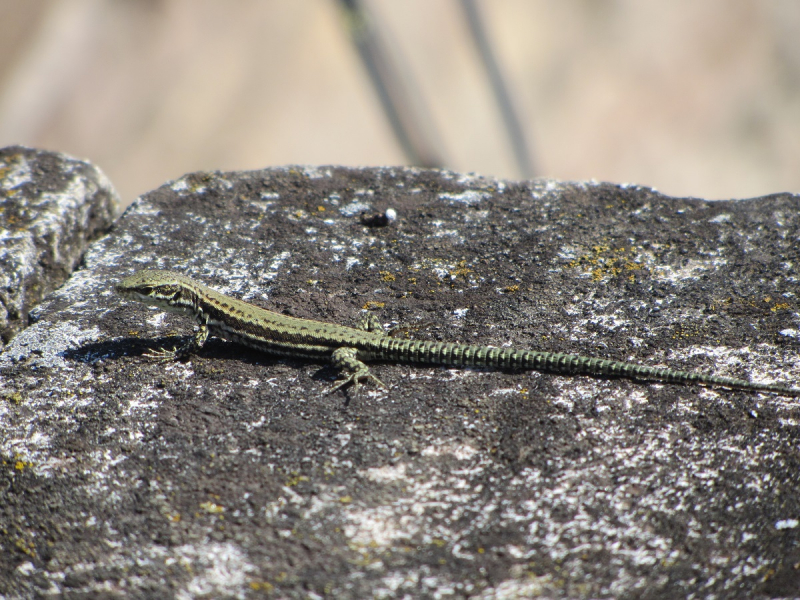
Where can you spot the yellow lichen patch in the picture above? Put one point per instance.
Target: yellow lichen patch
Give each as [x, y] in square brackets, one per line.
[20, 464]
[387, 276]
[294, 479]
[605, 262]
[461, 270]
[372, 305]
[777, 304]
[686, 332]
[212, 508]
[25, 547]
[261, 586]
[14, 398]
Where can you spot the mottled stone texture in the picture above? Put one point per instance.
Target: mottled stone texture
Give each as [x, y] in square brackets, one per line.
[231, 474]
[51, 207]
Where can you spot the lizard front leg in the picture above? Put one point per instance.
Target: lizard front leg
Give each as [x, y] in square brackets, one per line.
[191, 345]
[345, 360]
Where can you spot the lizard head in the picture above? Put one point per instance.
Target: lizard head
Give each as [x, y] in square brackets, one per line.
[165, 289]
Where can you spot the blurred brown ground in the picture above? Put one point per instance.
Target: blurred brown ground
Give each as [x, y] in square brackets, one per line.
[693, 98]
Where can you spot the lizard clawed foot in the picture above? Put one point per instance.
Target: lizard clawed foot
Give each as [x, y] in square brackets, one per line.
[355, 379]
[346, 360]
[162, 355]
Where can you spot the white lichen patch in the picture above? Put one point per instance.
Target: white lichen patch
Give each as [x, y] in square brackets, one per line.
[787, 524]
[468, 198]
[689, 270]
[721, 218]
[431, 489]
[314, 172]
[179, 185]
[747, 362]
[356, 207]
[44, 344]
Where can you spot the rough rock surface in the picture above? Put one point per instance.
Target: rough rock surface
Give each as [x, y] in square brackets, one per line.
[51, 207]
[231, 474]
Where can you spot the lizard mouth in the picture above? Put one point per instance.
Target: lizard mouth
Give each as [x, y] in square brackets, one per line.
[130, 294]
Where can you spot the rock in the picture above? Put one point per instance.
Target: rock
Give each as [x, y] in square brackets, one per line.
[231, 474]
[52, 206]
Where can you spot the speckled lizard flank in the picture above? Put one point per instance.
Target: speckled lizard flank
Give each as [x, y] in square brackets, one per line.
[347, 347]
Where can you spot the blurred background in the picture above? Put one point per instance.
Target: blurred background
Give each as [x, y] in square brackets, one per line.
[693, 98]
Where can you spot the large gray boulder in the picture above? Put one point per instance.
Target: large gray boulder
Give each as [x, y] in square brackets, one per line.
[231, 474]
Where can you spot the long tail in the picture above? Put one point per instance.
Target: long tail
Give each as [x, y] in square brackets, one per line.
[444, 353]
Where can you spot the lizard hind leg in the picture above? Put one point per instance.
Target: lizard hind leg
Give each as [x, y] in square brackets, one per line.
[369, 322]
[345, 360]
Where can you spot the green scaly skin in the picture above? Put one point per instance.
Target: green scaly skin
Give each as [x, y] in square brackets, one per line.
[348, 347]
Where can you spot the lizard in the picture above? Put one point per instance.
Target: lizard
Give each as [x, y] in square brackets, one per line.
[347, 348]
